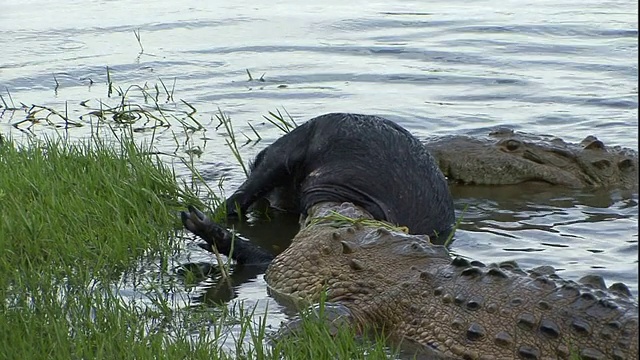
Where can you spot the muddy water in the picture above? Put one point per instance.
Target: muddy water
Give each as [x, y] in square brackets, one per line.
[564, 67]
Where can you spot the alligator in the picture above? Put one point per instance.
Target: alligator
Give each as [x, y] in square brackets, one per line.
[373, 275]
[506, 157]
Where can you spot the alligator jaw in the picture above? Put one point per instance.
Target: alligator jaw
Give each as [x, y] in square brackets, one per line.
[520, 171]
[509, 158]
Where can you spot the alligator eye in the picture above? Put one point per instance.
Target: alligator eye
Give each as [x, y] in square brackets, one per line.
[625, 164]
[512, 145]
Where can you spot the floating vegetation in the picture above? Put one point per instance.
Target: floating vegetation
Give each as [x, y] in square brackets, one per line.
[261, 79]
[338, 220]
[278, 120]
[146, 107]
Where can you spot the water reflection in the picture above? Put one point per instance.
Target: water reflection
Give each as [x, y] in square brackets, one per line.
[214, 289]
[271, 229]
[579, 232]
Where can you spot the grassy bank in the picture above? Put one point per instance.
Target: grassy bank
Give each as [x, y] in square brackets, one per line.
[78, 218]
[74, 219]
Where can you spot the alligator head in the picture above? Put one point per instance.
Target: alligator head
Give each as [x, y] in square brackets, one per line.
[508, 157]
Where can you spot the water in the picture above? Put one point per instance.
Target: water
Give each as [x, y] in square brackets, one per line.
[568, 68]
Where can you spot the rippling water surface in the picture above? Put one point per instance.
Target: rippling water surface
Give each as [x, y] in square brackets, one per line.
[565, 67]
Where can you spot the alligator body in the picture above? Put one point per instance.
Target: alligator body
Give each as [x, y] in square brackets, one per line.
[414, 291]
[509, 157]
[363, 159]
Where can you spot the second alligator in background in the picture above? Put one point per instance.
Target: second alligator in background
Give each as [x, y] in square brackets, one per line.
[507, 157]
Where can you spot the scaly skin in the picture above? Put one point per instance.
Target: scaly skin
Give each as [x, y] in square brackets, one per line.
[509, 157]
[451, 308]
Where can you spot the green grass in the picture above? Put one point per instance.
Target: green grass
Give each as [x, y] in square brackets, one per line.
[88, 200]
[338, 220]
[75, 218]
[311, 336]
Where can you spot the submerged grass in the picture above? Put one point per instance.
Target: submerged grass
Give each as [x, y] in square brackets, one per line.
[313, 336]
